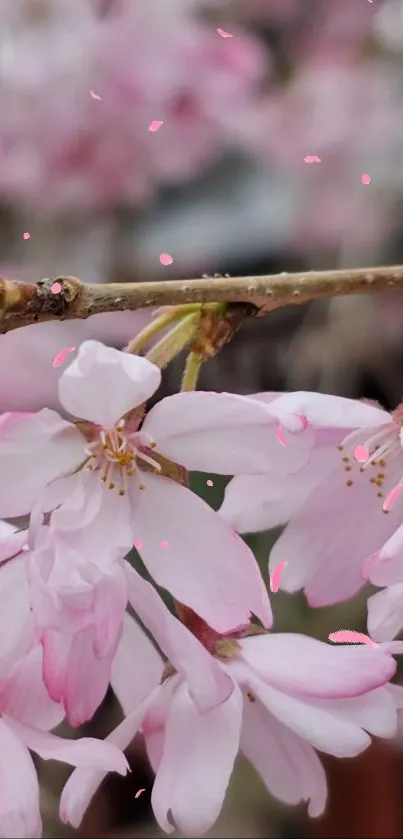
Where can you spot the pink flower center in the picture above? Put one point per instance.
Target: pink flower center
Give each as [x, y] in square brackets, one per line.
[115, 455]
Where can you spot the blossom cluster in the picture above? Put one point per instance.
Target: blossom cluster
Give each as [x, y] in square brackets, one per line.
[206, 677]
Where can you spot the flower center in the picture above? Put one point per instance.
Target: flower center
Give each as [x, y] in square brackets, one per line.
[374, 455]
[115, 455]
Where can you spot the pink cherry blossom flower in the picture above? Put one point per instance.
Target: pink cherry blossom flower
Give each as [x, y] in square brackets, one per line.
[291, 695]
[335, 504]
[79, 611]
[27, 714]
[108, 484]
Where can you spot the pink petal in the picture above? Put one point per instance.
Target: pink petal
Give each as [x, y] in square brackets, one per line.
[84, 752]
[276, 575]
[197, 763]
[17, 635]
[12, 541]
[350, 636]
[136, 667]
[289, 767]
[24, 697]
[321, 728]
[87, 679]
[102, 384]
[34, 449]
[155, 125]
[385, 613]
[225, 433]
[224, 34]
[208, 683]
[206, 565]
[19, 803]
[62, 355]
[323, 410]
[259, 502]
[83, 783]
[326, 560]
[385, 567]
[303, 665]
[312, 158]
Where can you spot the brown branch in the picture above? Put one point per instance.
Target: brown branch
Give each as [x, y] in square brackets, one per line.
[23, 303]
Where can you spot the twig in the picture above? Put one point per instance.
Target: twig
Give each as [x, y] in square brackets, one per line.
[22, 304]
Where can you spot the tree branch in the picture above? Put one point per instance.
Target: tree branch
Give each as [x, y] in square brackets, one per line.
[22, 304]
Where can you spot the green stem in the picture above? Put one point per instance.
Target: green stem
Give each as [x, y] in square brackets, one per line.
[191, 372]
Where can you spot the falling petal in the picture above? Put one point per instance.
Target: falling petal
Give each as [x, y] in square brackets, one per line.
[391, 497]
[164, 543]
[224, 34]
[350, 636]
[361, 454]
[312, 158]
[95, 95]
[365, 179]
[280, 436]
[26, 235]
[138, 545]
[56, 288]
[139, 791]
[62, 355]
[155, 125]
[165, 259]
[210, 483]
[276, 574]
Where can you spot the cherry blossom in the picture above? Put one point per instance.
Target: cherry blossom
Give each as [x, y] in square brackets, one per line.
[334, 505]
[291, 695]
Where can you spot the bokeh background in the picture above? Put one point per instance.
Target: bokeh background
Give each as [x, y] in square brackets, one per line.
[244, 91]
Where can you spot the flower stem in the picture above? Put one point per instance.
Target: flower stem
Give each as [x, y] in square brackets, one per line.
[191, 372]
[170, 345]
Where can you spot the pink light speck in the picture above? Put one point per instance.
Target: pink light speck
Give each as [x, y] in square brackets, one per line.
[164, 543]
[210, 483]
[312, 158]
[56, 288]
[138, 545]
[350, 636]
[224, 34]
[155, 125]
[62, 355]
[26, 235]
[365, 179]
[165, 259]
[95, 95]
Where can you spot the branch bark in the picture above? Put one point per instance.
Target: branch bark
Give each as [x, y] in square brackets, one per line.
[22, 304]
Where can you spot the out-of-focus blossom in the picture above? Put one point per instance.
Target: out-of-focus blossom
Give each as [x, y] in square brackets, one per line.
[63, 148]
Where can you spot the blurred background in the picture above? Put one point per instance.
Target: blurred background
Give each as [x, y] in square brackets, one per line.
[152, 139]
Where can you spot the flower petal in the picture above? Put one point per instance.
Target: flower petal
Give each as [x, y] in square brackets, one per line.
[24, 697]
[34, 449]
[19, 804]
[136, 667]
[224, 433]
[321, 728]
[307, 667]
[324, 410]
[326, 559]
[83, 783]
[197, 763]
[289, 767]
[84, 752]
[17, 625]
[87, 678]
[385, 567]
[259, 502]
[102, 384]
[191, 551]
[208, 683]
[385, 613]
